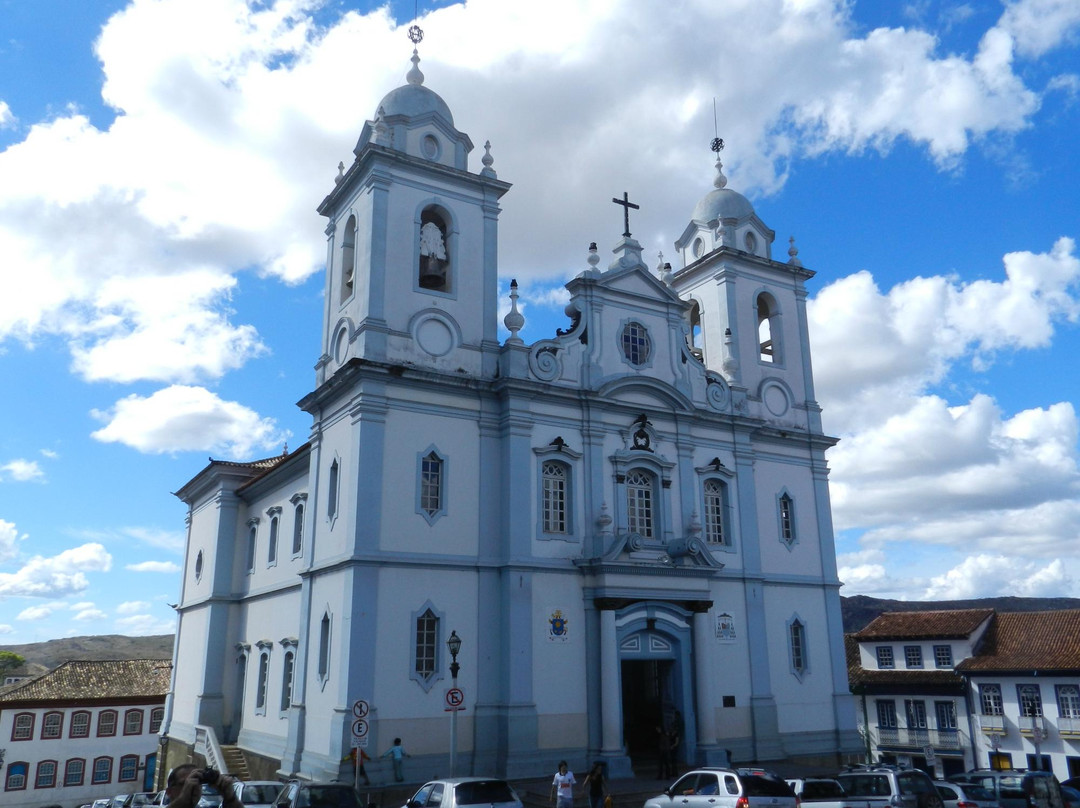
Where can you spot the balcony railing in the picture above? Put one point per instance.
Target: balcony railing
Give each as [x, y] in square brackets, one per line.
[940, 739]
[1032, 725]
[1069, 726]
[992, 723]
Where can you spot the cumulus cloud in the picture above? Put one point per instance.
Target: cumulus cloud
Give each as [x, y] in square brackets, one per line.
[6, 629]
[154, 566]
[224, 141]
[85, 615]
[7, 119]
[982, 575]
[140, 625]
[62, 574]
[22, 471]
[183, 418]
[37, 612]
[8, 537]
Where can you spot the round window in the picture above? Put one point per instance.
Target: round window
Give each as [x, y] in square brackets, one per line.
[430, 147]
[751, 243]
[698, 248]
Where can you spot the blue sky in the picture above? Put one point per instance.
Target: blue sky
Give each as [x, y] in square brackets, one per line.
[161, 160]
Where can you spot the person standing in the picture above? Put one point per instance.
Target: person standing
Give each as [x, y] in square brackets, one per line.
[563, 787]
[396, 753]
[595, 786]
[665, 769]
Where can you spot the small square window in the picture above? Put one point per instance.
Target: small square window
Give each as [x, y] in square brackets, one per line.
[885, 657]
[913, 656]
[943, 656]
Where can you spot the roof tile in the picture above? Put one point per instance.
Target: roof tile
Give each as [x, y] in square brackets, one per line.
[954, 624]
[94, 680]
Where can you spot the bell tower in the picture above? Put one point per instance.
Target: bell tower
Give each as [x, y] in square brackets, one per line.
[412, 243]
[748, 311]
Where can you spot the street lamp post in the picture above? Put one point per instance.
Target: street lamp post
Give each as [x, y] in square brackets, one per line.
[454, 644]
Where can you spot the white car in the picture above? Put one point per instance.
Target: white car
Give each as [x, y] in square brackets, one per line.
[459, 792]
[257, 793]
[725, 788]
[823, 792]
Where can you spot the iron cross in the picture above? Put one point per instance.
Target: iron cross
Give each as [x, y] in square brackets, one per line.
[627, 204]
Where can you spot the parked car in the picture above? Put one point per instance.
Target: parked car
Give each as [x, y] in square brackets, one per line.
[295, 794]
[724, 788]
[888, 787]
[824, 792]
[257, 793]
[1072, 782]
[1071, 796]
[460, 791]
[1016, 789]
[964, 795]
[102, 803]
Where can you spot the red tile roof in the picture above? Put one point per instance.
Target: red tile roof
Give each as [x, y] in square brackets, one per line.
[95, 680]
[914, 681]
[953, 624]
[1028, 641]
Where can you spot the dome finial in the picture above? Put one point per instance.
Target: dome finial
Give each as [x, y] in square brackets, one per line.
[488, 161]
[717, 146]
[793, 251]
[414, 76]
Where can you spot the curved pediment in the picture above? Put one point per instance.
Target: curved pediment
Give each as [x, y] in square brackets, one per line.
[649, 393]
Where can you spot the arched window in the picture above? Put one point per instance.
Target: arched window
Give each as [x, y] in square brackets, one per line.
[52, 725]
[80, 724]
[298, 529]
[348, 259]
[106, 723]
[640, 503]
[556, 479]
[287, 680]
[433, 271]
[129, 768]
[133, 721]
[74, 771]
[694, 337]
[271, 552]
[768, 319]
[263, 682]
[23, 727]
[102, 770]
[16, 776]
[253, 535]
[46, 774]
[157, 715]
[716, 512]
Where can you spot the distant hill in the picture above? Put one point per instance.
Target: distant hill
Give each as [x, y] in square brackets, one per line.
[857, 611]
[44, 656]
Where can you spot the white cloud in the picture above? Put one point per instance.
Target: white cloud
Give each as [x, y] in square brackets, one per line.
[1040, 25]
[63, 574]
[983, 576]
[154, 566]
[37, 612]
[181, 418]
[144, 624]
[132, 607]
[78, 607]
[8, 537]
[22, 471]
[7, 118]
[85, 615]
[225, 140]
[6, 629]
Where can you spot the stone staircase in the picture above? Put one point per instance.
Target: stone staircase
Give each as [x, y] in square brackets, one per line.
[235, 762]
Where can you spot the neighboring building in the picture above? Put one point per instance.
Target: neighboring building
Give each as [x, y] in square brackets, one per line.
[955, 690]
[85, 730]
[626, 524]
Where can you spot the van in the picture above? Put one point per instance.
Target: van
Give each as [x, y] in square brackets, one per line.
[1017, 789]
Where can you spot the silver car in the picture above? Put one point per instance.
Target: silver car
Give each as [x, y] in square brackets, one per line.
[464, 791]
[724, 788]
[257, 793]
[824, 792]
[965, 795]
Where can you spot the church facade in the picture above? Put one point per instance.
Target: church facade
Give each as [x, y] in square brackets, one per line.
[627, 525]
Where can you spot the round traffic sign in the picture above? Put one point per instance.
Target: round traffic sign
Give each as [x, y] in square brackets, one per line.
[360, 727]
[360, 708]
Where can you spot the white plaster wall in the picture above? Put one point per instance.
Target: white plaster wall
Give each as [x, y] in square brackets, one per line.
[64, 749]
[190, 658]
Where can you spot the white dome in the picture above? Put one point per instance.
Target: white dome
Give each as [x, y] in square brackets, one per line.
[413, 101]
[722, 203]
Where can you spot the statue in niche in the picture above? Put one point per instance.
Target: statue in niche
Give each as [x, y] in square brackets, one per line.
[432, 256]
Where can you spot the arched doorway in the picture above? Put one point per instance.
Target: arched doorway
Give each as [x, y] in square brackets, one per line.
[654, 641]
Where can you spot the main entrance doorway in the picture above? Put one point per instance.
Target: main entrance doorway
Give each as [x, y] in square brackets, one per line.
[647, 706]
